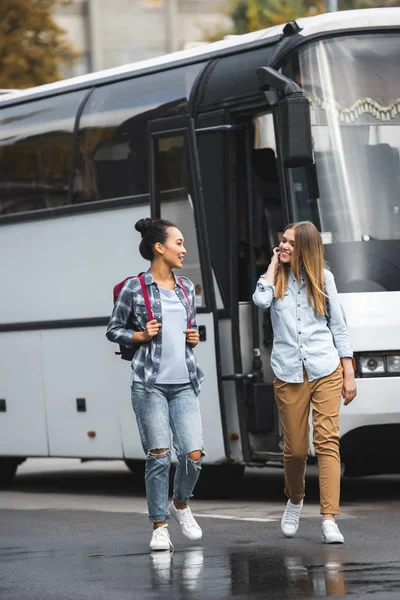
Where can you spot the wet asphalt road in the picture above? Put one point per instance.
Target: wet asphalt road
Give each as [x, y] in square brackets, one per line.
[79, 531]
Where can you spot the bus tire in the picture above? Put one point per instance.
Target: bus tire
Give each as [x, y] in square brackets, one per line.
[135, 466]
[219, 481]
[8, 468]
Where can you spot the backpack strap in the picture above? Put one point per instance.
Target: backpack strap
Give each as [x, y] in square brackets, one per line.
[146, 297]
[187, 299]
[328, 306]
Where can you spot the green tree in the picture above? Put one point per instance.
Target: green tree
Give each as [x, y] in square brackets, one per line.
[253, 15]
[32, 46]
[260, 14]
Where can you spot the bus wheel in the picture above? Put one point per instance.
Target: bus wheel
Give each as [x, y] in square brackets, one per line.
[219, 481]
[8, 468]
[135, 466]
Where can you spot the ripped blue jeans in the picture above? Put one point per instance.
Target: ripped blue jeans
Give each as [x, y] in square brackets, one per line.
[164, 409]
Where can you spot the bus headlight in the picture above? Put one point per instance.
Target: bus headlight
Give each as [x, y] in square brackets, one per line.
[372, 364]
[393, 363]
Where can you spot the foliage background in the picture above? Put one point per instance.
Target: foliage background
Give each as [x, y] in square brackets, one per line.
[32, 46]
[252, 15]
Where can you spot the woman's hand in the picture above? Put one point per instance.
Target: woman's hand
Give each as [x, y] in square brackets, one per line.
[151, 330]
[269, 276]
[275, 257]
[192, 337]
[349, 391]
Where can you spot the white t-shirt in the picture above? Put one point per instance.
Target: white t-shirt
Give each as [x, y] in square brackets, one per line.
[173, 369]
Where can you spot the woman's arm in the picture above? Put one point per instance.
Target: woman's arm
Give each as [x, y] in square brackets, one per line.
[349, 391]
[118, 330]
[336, 321]
[341, 339]
[265, 289]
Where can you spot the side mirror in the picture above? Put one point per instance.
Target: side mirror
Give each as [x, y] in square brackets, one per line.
[294, 118]
[294, 124]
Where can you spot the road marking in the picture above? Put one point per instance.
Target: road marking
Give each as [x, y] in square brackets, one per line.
[233, 518]
[230, 517]
[16, 500]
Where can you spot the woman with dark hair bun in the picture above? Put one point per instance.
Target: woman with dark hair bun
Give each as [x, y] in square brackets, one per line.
[166, 378]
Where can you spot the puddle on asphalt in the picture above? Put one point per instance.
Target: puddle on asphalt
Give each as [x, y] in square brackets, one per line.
[239, 572]
[251, 574]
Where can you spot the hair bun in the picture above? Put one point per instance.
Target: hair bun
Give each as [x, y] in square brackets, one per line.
[142, 225]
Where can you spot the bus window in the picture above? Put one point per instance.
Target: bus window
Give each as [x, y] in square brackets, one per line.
[172, 184]
[352, 85]
[36, 142]
[111, 161]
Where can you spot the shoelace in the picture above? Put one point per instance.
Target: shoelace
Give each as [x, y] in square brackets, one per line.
[330, 526]
[161, 534]
[188, 519]
[292, 515]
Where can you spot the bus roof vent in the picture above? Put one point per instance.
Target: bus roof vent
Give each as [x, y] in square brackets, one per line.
[291, 28]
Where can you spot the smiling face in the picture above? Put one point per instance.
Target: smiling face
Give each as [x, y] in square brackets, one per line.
[286, 246]
[172, 251]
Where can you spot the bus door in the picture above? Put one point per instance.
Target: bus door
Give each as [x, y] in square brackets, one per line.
[261, 219]
[244, 211]
[176, 195]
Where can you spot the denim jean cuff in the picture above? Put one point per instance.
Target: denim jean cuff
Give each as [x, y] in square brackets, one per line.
[329, 511]
[184, 500]
[158, 518]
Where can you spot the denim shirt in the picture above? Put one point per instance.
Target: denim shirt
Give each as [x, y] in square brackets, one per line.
[130, 315]
[302, 338]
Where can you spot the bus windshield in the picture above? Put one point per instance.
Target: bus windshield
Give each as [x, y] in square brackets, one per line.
[352, 85]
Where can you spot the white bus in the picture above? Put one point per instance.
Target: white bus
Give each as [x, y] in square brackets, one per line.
[231, 141]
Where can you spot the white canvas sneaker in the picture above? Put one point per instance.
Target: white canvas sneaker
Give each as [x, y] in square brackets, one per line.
[290, 519]
[160, 539]
[189, 526]
[331, 533]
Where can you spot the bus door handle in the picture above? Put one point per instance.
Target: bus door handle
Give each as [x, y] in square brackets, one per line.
[202, 333]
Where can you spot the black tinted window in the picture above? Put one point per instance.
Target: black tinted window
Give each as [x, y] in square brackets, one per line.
[170, 166]
[36, 141]
[174, 188]
[112, 159]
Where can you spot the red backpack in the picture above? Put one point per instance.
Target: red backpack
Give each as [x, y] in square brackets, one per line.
[125, 352]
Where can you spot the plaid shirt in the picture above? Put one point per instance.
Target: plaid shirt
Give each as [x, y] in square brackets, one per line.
[130, 315]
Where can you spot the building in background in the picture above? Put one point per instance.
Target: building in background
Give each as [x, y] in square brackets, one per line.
[110, 34]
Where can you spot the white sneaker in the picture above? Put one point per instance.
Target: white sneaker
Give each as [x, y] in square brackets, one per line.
[160, 539]
[331, 533]
[290, 519]
[190, 528]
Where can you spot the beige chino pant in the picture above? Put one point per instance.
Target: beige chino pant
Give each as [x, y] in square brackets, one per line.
[294, 401]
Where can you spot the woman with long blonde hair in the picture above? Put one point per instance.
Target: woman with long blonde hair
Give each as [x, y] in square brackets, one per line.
[312, 362]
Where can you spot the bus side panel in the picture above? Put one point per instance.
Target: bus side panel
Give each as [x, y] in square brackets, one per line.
[59, 269]
[66, 268]
[82, 407]
[23, 423]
